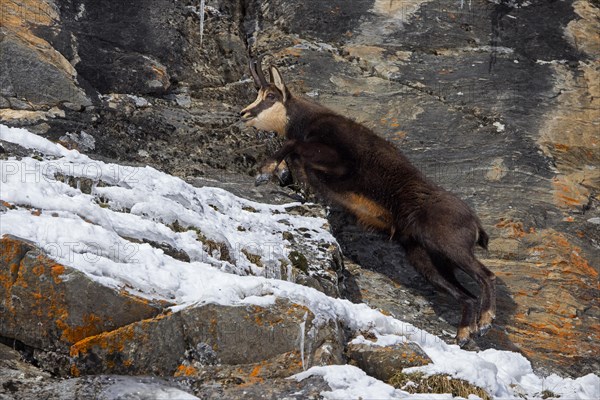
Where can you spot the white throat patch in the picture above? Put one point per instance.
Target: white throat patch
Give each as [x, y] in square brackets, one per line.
[273, 118]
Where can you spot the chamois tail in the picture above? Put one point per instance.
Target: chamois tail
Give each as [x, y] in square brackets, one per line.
[483, 238]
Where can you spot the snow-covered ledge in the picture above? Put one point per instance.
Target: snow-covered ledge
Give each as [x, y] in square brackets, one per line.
[107, 219]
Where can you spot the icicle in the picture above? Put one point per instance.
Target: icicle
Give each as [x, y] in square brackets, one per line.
[302, 334]
[202, 4]
[93, 190]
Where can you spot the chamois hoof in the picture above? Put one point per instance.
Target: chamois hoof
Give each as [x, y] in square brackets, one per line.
[261, 179]
[483, 329]
[462, 341]
[464, 335]
[485, 322]
[284, 176]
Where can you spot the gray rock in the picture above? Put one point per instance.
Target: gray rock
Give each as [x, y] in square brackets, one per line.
[73, 107]
[20, 380]
[187, 341]
[383, 362]
[50, 307]
[24, 74]
[18, 376]
[140, 48]
[18, 104]
[83, 141]
[182, 99]
[274, 389]
[436, 79]
[12, 150]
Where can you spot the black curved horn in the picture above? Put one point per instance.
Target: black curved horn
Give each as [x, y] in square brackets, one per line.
[252, 65]
[257, 72]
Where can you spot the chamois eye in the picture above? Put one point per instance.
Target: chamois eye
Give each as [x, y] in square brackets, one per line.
[271, 96]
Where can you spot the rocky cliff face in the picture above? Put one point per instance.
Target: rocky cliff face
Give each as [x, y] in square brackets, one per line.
[490, 99]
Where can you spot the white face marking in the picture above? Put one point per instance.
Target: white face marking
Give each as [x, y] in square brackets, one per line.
[259, 98]
[273, 118]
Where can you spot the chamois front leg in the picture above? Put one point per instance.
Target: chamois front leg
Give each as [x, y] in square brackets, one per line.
[268, 167]
[313, 156]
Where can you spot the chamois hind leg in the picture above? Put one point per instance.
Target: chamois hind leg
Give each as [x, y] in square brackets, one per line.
[463, 258]
[423, 262]
[487, 281]
[487, 310]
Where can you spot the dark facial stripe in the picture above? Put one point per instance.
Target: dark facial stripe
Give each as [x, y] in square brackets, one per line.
[263, 105]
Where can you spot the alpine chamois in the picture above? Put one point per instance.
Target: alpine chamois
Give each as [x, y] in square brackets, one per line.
[348, 164]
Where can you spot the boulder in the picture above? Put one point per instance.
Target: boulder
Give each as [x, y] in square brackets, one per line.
[33, 73]
[183, 343]
[20, 380]
[383, 362]
[50, 307]
[80, 327]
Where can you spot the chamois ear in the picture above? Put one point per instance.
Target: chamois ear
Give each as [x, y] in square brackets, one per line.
[277, 80]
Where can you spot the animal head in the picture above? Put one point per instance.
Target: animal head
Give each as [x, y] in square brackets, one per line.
[268, 112]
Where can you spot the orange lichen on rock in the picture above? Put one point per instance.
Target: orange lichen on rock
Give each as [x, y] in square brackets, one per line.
[570, 132]
[514, 228]
[262, 317]
[186, 370]
[72, 334]
[47, 312]
[118, 340]
[20, 17]
[549, 247]
[544, 335]
[254, 376]
[568, 192]
[290, 51]
[38, 269]
[12, 251]
[558, 287]
[56, 271]
[6, 204]
[255, 371]
[558, 249]
[257, 312]
[297, 308]
[113, 341]
[75, 371]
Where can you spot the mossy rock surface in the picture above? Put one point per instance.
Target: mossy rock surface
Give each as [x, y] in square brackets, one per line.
[418, 382]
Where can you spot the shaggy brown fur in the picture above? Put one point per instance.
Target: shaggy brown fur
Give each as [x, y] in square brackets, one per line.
[350, 165]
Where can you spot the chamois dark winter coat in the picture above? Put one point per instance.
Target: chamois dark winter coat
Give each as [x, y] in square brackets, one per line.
[350, 165]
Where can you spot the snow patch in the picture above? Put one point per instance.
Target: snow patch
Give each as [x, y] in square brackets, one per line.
[382, 340]
[139, 101]
[80, 12]
[133, 389]
[349, 382]
[139, 203]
